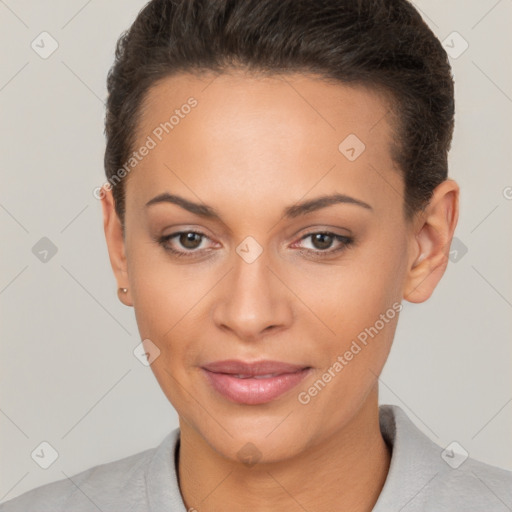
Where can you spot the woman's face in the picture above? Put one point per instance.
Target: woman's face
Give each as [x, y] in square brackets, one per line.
[259, 280]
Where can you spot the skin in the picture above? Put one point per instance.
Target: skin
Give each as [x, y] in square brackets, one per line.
[265, 145]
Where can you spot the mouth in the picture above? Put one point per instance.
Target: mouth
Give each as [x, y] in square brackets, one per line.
[253, 383]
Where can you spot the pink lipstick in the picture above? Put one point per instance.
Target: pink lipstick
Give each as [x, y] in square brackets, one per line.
[253, 383]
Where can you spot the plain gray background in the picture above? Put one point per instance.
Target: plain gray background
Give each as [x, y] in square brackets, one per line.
[68, 373]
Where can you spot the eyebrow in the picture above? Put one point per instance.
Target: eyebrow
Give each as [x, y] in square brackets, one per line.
[289, 212]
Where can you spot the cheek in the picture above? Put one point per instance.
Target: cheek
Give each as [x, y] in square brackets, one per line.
[361, 308]
[380, 269]
[364, 321]
[155, 283]
[359, 292]
[164, 299]
[157, 293]
[167, 303]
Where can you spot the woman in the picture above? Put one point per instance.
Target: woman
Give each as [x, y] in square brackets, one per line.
[276, 186]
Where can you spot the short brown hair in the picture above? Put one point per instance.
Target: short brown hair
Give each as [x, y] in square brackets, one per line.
[381, 44]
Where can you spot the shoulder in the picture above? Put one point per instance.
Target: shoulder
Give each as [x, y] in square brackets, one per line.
[474, 485]
[116, 485]
[426, 477]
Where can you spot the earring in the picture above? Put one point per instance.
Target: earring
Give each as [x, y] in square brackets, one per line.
[123, 290]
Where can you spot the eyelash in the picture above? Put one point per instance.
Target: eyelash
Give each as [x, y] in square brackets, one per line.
[345, 240]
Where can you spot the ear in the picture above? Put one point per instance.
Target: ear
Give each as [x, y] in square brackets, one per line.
[430, 247]
[115, 244]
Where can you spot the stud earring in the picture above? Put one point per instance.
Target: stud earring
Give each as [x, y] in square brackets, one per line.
[123, 290]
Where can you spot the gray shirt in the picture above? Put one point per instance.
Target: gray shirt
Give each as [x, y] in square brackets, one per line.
[422, 477]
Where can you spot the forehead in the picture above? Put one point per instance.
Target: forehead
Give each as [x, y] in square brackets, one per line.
[265, 133]
[291, 99]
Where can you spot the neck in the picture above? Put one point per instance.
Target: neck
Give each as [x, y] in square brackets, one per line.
[346, 471]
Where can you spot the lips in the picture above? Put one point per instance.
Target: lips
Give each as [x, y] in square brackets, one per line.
[256, 368]
[253, 383]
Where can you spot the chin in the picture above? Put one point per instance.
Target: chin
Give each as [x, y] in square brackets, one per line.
[257, 437]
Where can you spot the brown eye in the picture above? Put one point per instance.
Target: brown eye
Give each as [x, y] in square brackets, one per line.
[322, 240]
[190, 240]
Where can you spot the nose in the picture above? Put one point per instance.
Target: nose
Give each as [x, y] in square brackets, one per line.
[253, 300]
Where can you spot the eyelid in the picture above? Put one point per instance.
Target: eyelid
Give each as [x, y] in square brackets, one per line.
[335, 230]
